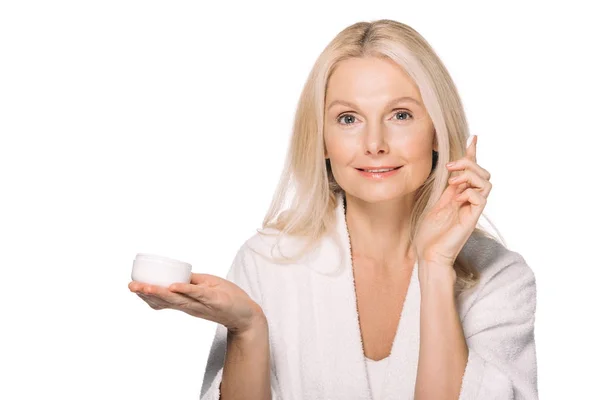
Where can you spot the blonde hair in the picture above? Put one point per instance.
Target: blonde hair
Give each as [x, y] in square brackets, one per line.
[308, 174]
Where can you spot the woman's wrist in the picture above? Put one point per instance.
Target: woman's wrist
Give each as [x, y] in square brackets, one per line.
[255, 326]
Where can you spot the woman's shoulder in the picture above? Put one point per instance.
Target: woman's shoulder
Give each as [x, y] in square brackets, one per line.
[490, 257]
[271, 244]
[503, 272]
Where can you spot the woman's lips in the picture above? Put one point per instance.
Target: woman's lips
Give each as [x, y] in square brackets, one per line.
[378, 175]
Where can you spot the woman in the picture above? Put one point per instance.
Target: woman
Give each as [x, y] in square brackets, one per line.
[375, 283]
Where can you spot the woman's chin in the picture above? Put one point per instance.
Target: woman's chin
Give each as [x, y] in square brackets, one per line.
[379, 196]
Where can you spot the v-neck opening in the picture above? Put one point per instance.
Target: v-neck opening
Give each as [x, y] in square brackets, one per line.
[401, 323]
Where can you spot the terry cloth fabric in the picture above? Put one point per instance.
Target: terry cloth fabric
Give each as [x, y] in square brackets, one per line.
[315, 341]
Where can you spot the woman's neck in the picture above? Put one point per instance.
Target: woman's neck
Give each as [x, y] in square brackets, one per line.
[379, 232]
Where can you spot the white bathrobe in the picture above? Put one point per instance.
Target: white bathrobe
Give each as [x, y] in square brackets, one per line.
[314, 334]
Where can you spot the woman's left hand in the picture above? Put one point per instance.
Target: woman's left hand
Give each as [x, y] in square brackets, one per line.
[447, 227]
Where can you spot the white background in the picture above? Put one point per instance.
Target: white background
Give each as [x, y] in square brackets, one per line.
[161, 127]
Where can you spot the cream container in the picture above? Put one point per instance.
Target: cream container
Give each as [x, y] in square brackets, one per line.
[160, 271]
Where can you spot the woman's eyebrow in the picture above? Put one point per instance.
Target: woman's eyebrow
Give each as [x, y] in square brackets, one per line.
[389, 104]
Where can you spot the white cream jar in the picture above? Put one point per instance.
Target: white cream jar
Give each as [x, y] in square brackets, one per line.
[159, 270]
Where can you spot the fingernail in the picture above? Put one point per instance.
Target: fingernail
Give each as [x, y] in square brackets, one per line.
[469, 140]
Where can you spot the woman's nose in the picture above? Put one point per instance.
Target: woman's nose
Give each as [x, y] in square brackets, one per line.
[375, 141]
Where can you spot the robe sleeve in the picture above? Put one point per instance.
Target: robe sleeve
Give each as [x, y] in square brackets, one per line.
[499, 331]
[243, 273]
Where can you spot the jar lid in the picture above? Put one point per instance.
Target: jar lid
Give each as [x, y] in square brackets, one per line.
[162, 259]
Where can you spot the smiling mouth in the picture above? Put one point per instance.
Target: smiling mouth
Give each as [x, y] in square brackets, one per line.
[381, 170]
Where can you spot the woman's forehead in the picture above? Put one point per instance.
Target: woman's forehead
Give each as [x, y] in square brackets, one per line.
[366, 80]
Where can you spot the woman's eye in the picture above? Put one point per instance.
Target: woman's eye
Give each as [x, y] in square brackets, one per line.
[346, 119]
[403, 112]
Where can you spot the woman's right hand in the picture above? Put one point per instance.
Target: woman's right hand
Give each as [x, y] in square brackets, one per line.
[207, 296]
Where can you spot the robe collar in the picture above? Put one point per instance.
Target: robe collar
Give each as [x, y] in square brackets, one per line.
[337, 317]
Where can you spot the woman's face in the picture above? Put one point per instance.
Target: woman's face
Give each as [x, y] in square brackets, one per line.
[365, 127]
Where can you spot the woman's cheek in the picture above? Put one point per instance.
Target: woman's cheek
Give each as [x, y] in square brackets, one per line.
[340, 146]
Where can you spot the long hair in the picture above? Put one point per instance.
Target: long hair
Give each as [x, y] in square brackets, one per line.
[307, 176]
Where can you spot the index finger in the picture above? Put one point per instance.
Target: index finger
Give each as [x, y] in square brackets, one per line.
[169, 296]
[472, 148]
[189, 289]
[198, 279]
